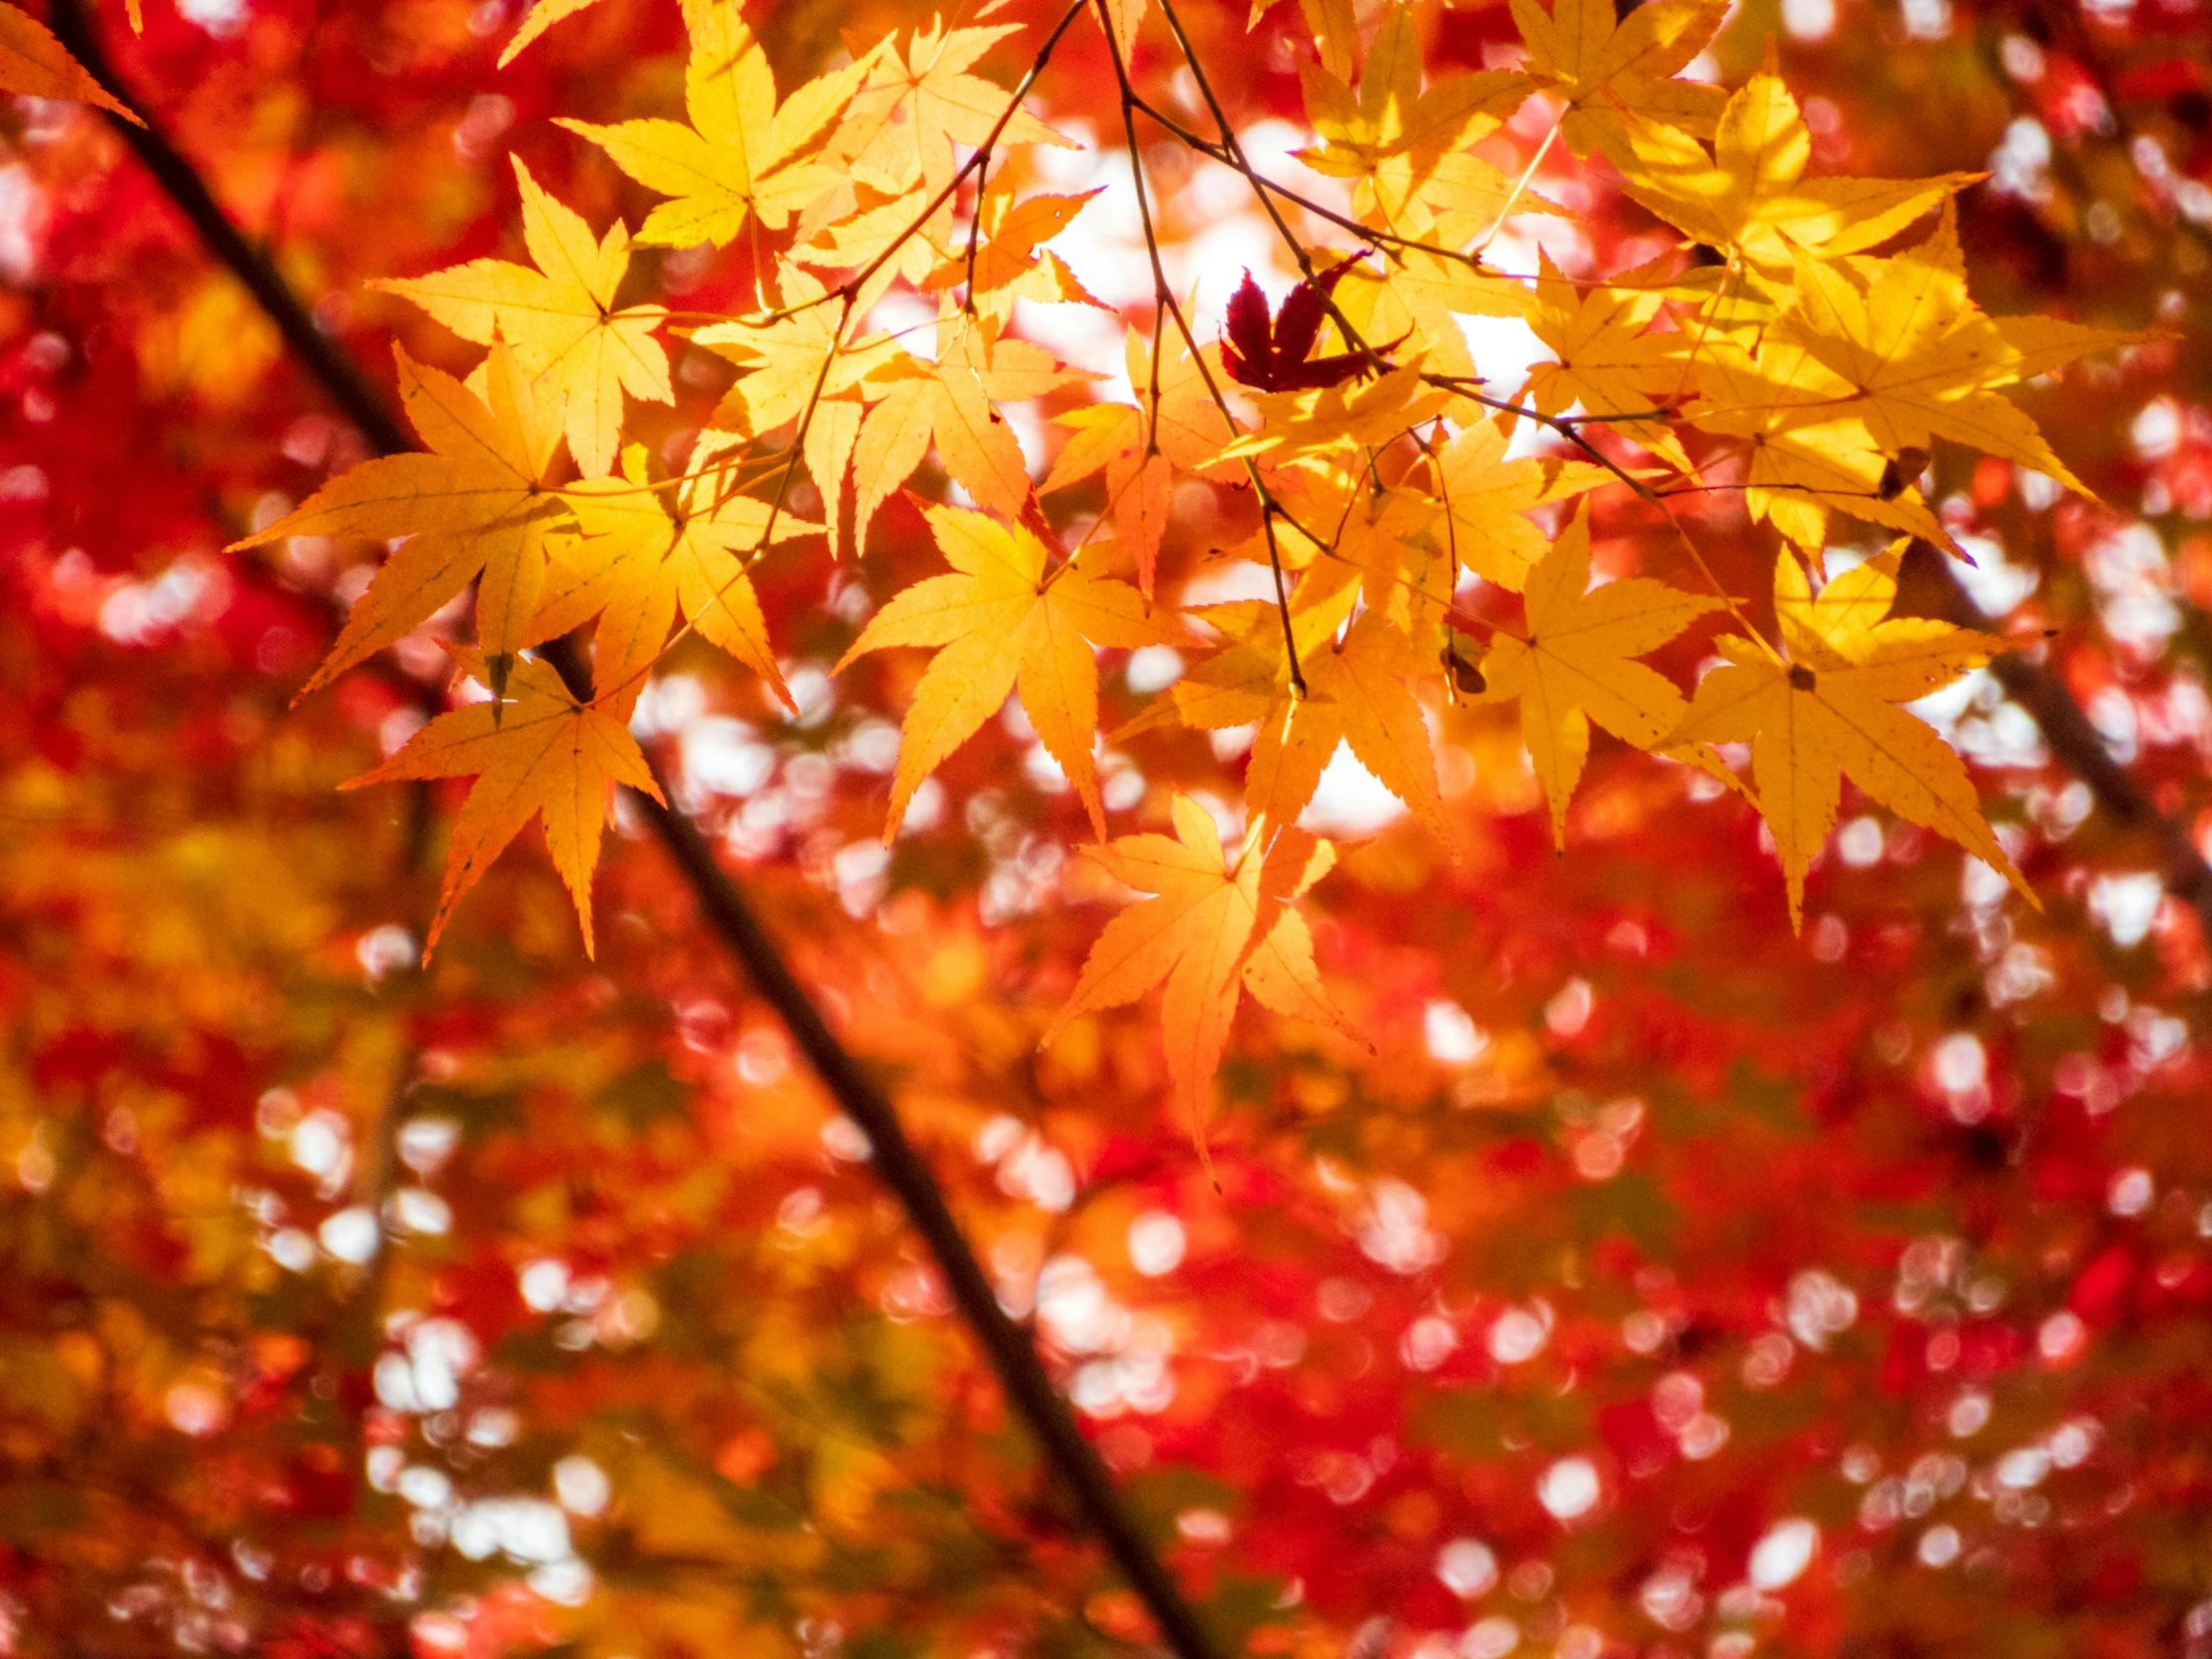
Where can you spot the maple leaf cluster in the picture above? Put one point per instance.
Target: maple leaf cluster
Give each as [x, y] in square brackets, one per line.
[1394, 488]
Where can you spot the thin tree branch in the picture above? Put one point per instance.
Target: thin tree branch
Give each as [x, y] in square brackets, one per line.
[1388, 242]
[1162, 295]
[1011, 1354]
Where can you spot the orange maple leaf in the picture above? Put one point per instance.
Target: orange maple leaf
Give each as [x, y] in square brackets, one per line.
[1214, 928]
[537, 752]
[1003, 621]
[475, 508]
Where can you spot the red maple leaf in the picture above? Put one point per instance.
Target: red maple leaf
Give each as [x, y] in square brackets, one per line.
[1270, 355]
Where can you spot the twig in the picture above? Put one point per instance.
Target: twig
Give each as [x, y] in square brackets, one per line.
[1228, 151]
[1389, 241]
[1735, 609]
[1162, 295]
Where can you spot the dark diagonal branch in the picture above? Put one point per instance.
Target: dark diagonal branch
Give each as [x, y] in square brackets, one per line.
[1011, 1354]
[1933, 590]
[324, 356]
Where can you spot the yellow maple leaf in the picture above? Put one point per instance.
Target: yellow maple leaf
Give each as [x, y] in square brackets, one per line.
[1110, 437]
[745, 155]
[559, 320]
[536, 752]
[830, 438]
[1419, 296]
[475, 508]
[1449, 202]
[1874, 359]
[1603, 65]
[647, 553]
[917, 105]
[1007, 263]
[786, 359]
[1829, 712]
[1335, 30]
[1305, 427]
[1752, 196]
[1344, 528]
[1608, 360]
[1003, 623]
[1390, 116]
[1191, 425]
[1918, 358]
[536, 21]
[899, 232]
[1384, 539]
[1578, 663]
[1486, 497]
[1140, 467]
[1246, 677]
[1804, 461]
[1356, 692]
[1127, 17]
[950, 402]
[1213, 928]
[34, 63]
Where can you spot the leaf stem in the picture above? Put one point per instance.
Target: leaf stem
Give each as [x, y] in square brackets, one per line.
[1520, 185]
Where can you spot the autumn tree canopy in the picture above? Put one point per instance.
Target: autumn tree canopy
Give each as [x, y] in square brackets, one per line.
[1364, 828]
